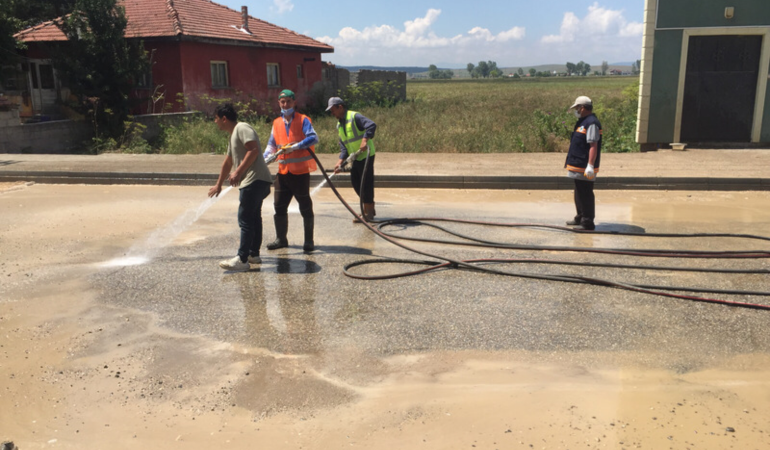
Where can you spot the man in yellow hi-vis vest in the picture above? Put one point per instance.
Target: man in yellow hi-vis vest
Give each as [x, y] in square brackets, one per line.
[356, 133]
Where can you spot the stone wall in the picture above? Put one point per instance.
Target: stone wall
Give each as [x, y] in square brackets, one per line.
[64, 136]
[336, 81]
[393, 83]
[58, 136]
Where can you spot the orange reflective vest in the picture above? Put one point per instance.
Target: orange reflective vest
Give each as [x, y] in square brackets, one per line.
[299, 161]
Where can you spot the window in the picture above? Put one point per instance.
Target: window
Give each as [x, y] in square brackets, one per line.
[273, 75]
[145, 80]
[219, 77]
[299, 71]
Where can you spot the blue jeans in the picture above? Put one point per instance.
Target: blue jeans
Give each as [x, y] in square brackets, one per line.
[250, 218]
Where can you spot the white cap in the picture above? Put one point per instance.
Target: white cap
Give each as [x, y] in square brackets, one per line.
[582, 100]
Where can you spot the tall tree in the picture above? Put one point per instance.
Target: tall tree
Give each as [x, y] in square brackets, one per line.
[99, 64]
[520, 72]
[532, 72]
[433, 72]
[605, 67]
[483, 69]
[16, 15]
[571, 68]
[470, 68]
[586, 68]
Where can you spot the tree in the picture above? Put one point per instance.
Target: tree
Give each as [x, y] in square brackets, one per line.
[520, 72]
[16, 15]
[447, 74]
[99, 65]
[470, 68]
[571, 68]
[496, 73]
[636, 67]
[532, 72]
[605, 67]
[433, 72]
[586, 68]
[483, 69]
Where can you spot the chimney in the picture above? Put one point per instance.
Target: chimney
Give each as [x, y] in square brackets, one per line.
[245, 15]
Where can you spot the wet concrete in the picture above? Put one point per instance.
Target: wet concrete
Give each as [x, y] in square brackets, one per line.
[168, 349]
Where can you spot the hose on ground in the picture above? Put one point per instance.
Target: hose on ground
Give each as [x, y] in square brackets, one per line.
[484, 265]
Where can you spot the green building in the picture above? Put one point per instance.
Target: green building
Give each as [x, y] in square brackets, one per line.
[704, 73]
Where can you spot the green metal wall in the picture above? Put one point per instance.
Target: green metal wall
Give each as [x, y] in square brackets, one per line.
[765, 135]
[711, 13]
[665, 82]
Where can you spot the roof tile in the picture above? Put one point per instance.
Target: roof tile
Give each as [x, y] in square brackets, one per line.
[194, 18]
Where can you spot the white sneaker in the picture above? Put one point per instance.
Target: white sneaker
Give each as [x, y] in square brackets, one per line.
[234, 264]
[255, 260]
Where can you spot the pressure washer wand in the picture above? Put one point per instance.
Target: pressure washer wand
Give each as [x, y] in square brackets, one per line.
[349, 161]
[270, 159]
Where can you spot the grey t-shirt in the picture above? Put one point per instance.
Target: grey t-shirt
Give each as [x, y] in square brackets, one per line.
[243, 134]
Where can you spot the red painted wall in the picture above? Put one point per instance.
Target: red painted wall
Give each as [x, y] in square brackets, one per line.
[247, 71]
[184, 68]
[166, 79]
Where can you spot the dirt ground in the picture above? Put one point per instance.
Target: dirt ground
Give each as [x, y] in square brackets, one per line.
[77, 373]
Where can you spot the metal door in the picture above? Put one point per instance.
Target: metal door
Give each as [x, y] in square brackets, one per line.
[720, 88]
[42, 80]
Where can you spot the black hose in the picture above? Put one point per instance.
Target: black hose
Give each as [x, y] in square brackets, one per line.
[478, 265]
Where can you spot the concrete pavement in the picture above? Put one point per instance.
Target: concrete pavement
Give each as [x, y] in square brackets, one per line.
[665, 169]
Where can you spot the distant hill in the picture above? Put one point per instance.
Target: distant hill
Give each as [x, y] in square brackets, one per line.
[407, 69]
[422, 72]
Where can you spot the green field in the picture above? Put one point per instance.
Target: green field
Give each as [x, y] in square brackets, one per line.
[466, 116]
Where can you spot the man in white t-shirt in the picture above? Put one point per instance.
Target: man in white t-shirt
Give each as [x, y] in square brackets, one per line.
[251, 176]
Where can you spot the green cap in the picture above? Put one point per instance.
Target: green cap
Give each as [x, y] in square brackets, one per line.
[286, 93]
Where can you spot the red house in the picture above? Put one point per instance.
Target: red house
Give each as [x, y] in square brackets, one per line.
[198, 48]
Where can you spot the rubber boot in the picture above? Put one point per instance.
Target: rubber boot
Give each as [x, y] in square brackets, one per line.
[575, 221]
[281, 230]
[368, 212]
[309, 222]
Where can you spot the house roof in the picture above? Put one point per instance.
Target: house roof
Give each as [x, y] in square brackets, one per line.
[191, 18]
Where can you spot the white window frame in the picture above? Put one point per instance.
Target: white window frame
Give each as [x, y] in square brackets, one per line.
[273, 75]
[215, 74]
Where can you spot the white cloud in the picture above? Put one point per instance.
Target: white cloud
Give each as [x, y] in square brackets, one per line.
[599, 22]
[282, 6]
[601, 34]
[416, 37]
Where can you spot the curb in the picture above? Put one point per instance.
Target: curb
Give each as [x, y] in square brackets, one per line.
[410, 181]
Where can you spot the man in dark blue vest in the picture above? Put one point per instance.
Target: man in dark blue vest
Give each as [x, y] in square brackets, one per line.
[585, 151]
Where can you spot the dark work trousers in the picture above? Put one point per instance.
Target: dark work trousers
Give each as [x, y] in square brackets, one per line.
[250, 218]
[585, 203]
[356, 173]
[288, 186]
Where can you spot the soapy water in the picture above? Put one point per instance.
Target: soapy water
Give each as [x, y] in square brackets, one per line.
[145, 251]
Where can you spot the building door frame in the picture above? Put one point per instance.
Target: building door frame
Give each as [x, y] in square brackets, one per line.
[764, 67]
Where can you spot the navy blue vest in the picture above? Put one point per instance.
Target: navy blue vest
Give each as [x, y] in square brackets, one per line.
[579, 146]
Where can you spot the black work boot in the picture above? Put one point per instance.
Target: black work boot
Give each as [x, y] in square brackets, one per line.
[309, 222]
[575, 221]
[281, 230]
[586, 225]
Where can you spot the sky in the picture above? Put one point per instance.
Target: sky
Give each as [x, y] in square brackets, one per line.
[450, 34]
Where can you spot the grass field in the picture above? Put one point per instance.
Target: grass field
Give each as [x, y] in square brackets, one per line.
[466, 116]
